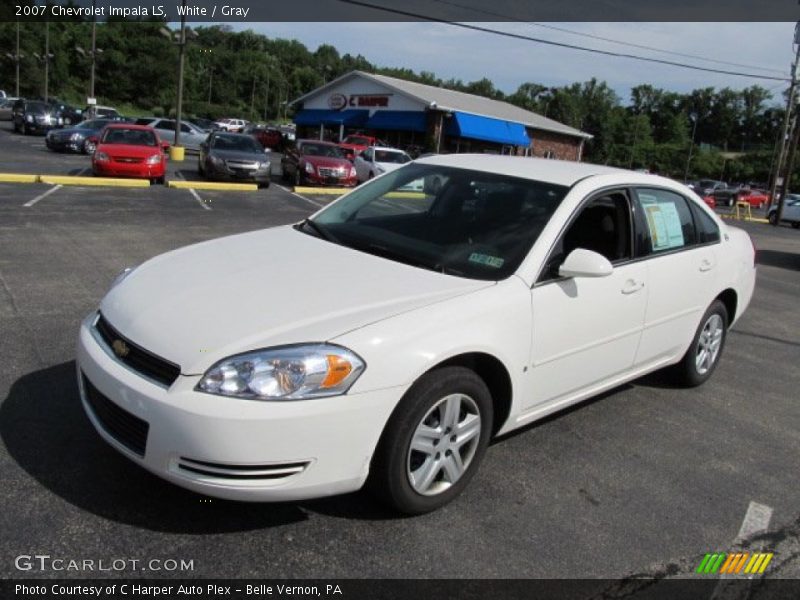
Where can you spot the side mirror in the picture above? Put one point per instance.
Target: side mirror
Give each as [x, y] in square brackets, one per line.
[585, 263]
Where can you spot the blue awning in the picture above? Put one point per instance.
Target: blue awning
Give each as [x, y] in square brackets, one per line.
[487, 129]
[316, 116]
[398, 120]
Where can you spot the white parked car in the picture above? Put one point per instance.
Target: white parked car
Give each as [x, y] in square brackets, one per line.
[391, 335]
[233, 125]
[377, 160]
[791, 211]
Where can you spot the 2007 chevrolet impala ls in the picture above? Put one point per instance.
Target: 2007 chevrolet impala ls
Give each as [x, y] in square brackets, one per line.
[388, 337]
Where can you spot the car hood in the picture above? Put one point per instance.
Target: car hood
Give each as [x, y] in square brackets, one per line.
[389, 166]
[202, 303]
[81, 130]
[128, 150]
[328, 162]
[236, 155]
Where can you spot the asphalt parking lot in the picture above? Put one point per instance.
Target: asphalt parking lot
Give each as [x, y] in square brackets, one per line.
[642, 481]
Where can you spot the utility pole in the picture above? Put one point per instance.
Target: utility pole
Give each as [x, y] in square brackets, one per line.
[46, 59]
[181, 60]
[94, 50]
[694, 117]
[16, 59]
[788, 171]
[786, 119]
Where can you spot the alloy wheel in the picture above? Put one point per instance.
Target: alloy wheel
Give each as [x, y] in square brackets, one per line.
[443, 444]
[709, 344]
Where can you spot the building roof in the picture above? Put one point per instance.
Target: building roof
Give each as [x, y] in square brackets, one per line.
[452, 100]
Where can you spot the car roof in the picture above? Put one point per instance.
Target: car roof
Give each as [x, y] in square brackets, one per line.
[117, 125]
[312, 141]
[559, 172]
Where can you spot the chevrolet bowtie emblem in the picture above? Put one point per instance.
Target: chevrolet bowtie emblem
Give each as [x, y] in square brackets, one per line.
[120, 348]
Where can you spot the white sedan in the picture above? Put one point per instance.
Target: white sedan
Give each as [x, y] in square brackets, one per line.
[377, 160]
[387, 338]
[791, 211]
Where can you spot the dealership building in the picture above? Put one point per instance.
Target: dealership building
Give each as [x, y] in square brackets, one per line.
[407, 114]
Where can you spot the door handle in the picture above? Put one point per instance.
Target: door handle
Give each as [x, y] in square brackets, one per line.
[706, 265]
[632, 286]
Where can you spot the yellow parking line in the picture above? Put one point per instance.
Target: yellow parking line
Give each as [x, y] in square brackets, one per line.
[95, 181]
[751, 219]
[18, 178]
[318, 191]
[213, 185]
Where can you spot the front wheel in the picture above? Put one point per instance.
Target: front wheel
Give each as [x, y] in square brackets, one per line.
[773, 218]
[434, 441]
[704, 353]
[88, 147]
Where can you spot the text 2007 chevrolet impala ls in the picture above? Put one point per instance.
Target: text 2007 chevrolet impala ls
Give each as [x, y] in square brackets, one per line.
[387, 338]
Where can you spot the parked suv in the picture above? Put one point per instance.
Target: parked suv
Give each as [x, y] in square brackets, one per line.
[34, 116]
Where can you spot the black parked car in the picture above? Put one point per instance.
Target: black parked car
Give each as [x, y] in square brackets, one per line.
[34, 116]
[235, 157]
[78, 138]
[70, 115]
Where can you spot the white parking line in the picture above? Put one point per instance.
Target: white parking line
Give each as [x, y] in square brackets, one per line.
[42, 196]
[194, 193]
[756, 521]
[309, 200]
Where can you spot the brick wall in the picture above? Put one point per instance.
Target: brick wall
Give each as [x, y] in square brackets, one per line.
[561, 146]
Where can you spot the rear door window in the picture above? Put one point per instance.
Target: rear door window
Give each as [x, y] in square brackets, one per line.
[668, 221]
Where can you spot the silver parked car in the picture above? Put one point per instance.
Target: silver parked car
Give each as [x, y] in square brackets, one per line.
[191, 135]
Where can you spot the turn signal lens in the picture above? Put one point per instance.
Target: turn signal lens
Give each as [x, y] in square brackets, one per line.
[338, 370]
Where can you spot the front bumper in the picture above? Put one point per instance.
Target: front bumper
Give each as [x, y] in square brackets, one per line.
[315, 178]
[140, 170]
[224, 173]
[232, 448]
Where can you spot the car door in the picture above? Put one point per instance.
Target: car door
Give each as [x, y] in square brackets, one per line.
[682, 270]
[586, 330]
[361, 165]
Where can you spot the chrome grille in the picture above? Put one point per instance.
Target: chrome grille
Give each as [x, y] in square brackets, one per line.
[241, 472]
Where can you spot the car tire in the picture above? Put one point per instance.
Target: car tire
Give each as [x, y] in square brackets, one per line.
[88, 147]
[773, 218]
[702, 357]
[414, 469]
[371, 175]
[264, 185]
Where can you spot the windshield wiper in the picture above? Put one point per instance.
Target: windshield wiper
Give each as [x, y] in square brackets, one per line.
[413, 261]
[319, 230]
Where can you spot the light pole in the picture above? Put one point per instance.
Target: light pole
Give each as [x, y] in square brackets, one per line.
[694, 117]
[16, 57]
[180, 41]
[93, 50]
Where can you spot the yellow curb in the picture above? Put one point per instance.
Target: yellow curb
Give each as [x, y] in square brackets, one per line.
[752, 219]
[406, 195]
[95, 181]
[18, 178]
[319, 191]
[213, 185]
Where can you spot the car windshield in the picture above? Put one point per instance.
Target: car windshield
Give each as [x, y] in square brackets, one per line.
[387, 156]
[461, 222]
[357, 140]
[39, 107]
[133, 137]
[95, 124]
[236, 143]
[327, 150]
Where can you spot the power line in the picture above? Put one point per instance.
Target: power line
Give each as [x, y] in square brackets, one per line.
[560, 44]
[605, 39]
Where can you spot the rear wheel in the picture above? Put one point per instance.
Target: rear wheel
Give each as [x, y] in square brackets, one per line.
[773, 218]
[434, 441]
[703, 354]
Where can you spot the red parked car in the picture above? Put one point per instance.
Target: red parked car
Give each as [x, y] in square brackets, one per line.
[125, 150]
[756, 198]
[315, 161]
[710, 201]
[269, 137]
[355, 144]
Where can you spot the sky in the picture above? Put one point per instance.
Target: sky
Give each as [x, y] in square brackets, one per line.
[450, 51]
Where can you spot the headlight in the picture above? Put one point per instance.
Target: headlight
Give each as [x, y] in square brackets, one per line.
[76, 137]
[285, 373]
[352, 172]
[263, 165]
[154, 159]
[309, 168]
[121, 276]
[100, 156]
[29, 118]
[216, 161]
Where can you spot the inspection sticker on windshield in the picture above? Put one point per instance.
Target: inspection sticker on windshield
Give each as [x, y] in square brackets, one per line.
[485, 259]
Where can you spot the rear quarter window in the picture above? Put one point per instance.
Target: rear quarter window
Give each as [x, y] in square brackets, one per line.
[707, 228]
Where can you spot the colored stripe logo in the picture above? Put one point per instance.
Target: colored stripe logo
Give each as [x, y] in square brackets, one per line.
[739, 563]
